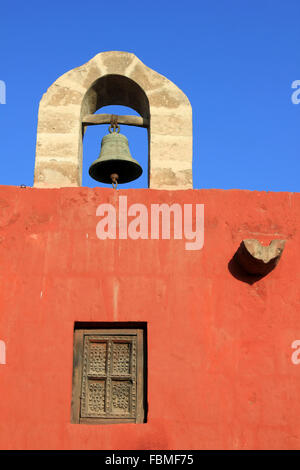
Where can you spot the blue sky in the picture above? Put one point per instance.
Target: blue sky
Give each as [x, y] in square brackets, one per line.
[234, 59]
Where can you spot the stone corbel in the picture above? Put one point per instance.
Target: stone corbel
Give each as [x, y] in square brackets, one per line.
[258, 259]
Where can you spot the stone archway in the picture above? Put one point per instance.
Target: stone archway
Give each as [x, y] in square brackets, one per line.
[113, 78]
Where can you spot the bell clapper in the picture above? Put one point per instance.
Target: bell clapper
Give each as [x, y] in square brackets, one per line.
[114, 180]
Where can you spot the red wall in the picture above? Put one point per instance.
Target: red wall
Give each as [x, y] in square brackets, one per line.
[220, 374]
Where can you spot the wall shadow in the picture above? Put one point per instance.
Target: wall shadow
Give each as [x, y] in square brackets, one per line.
[239, 272]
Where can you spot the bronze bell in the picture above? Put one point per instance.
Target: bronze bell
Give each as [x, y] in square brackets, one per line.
[115, 163]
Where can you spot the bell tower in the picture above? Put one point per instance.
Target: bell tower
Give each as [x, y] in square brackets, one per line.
[114, 78]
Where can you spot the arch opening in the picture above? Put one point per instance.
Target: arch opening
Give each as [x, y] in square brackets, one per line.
[138, 146]
[115, 90]
[119, 95]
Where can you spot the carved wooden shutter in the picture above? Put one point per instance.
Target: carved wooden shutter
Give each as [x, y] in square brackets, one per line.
[109, 364]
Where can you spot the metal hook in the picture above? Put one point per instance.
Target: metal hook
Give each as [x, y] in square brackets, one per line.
[114, 126]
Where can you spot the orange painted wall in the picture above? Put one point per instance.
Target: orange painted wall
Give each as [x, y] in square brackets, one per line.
[220, 374]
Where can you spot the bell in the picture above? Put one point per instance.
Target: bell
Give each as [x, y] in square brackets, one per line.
[115, 163]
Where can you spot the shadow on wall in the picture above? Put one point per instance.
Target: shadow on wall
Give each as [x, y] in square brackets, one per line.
[239, 273]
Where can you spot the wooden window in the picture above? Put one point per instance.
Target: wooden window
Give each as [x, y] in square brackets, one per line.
[108, 376]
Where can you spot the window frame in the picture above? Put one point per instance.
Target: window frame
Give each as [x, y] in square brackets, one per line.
[78, 358]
